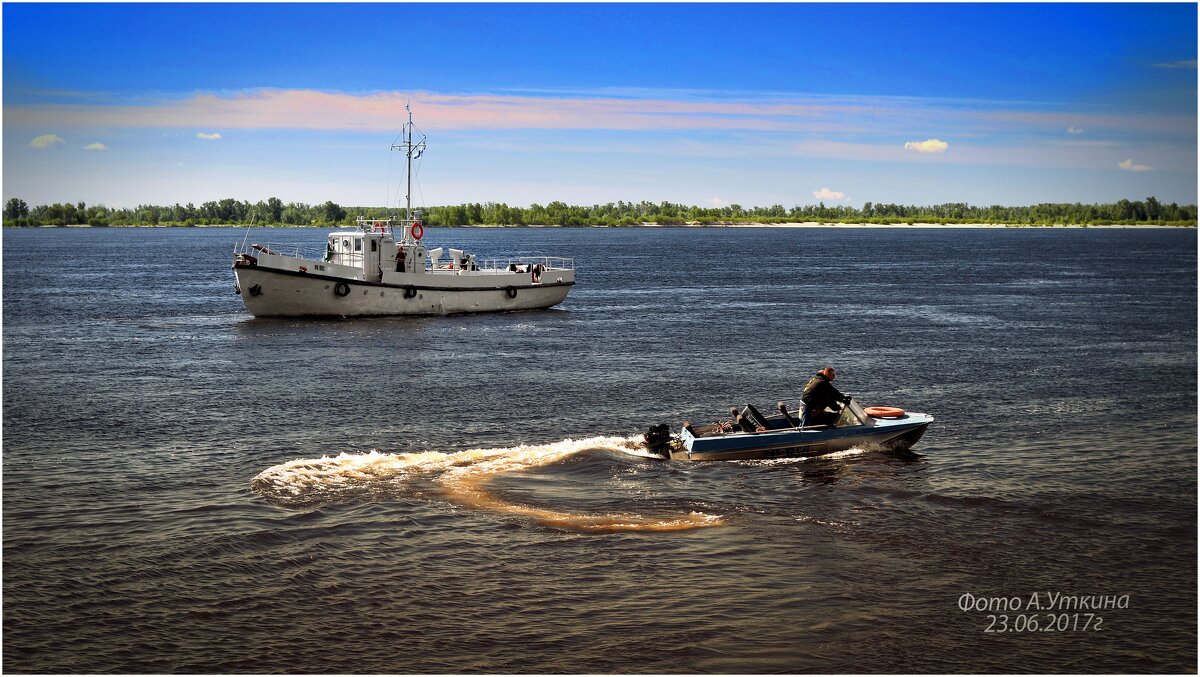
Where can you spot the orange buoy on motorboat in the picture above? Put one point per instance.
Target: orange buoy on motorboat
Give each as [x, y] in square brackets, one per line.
[884, 412]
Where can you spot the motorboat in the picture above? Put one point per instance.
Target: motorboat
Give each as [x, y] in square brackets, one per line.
[751, 435]
[383, 267]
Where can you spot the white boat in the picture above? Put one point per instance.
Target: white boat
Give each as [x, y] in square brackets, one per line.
[382, 267]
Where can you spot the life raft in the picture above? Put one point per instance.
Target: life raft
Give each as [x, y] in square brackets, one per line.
[884, 412]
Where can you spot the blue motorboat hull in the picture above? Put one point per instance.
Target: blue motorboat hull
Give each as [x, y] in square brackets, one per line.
[897, 433]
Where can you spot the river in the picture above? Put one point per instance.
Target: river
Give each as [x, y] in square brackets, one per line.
[190, 489]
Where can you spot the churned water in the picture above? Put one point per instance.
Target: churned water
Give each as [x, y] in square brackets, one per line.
[189, 489]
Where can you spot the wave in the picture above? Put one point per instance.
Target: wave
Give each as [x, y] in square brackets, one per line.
[462, 477]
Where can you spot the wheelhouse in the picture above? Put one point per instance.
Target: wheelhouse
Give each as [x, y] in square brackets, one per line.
[346, 248]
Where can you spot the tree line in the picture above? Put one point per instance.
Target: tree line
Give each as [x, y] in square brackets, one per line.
[274, 212]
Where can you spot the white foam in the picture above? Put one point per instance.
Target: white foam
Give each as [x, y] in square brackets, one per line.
[464, 475]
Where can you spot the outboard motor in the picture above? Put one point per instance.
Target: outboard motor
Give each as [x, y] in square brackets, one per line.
[658, 440]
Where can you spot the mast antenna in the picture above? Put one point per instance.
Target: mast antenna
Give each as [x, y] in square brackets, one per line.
[412, 151]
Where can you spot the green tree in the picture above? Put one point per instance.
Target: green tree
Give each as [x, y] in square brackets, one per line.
[332, 211]
[15, 209]
[275, 209]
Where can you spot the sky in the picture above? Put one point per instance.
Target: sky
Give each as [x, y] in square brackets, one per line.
[706, 104]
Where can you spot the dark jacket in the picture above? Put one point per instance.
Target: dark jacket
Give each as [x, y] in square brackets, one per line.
[820, 393]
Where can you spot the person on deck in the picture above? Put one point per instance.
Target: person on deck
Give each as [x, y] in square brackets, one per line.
[820, 397]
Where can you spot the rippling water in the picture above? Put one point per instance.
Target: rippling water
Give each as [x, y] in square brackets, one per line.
[188, 489]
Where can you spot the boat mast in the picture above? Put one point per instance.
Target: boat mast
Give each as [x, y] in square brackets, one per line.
[412, 151]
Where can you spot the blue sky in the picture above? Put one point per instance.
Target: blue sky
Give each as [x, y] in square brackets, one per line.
[697, 103]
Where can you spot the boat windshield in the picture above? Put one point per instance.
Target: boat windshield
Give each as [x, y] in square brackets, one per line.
[852, 415]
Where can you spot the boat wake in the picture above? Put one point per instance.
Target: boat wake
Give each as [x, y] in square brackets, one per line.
[832, 456]
[459, 477]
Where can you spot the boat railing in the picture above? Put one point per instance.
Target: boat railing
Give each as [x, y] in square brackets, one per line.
[550, 263]
[378, 225]
[289, 249]
[397, 227]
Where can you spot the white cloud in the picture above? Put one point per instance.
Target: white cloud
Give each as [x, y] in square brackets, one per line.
[208, 137]
[716, 202]
[47, 140]
[1128, 166]
[95, 146]
[826, 194]
[1187, 63]
[927, 146]
[1074, 130]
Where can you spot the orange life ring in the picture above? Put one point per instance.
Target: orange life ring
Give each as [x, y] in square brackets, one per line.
[417, 231]
[884, 412]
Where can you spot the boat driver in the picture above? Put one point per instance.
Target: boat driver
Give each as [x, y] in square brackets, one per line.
[822, 401]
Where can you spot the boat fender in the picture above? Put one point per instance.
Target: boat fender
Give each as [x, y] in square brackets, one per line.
[341, 289]
[255, 290]
[884, 412]
[512, 292]
[237, 290]
[410, 292]
[418, 231]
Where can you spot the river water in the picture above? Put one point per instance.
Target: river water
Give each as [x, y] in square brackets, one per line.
[189, 489]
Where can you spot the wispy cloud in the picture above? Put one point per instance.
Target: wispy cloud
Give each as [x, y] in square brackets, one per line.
[927, 146]
[95, 146]
[1186, 63]
[384, 111]
[833, 117]
[826, 194]
[47, 141]
[1129, 166]
[864, 128]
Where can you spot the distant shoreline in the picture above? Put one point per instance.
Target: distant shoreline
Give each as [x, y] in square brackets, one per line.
[804, 224]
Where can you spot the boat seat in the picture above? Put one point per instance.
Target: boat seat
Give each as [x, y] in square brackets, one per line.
[792, 423]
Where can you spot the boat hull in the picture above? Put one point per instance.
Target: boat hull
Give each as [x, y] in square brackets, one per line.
[269, 292]
[894, 434]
